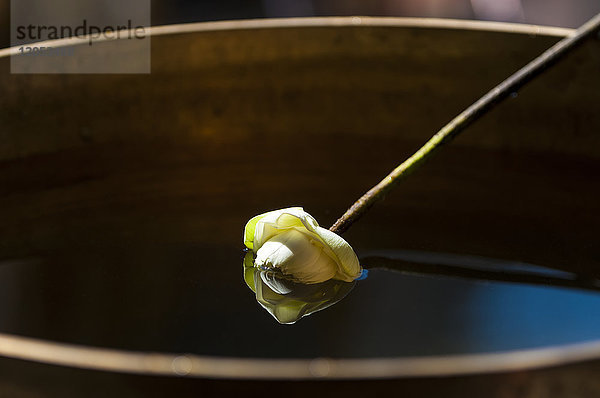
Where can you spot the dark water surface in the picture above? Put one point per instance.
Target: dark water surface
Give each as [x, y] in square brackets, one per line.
[98, 299]
[146, 254]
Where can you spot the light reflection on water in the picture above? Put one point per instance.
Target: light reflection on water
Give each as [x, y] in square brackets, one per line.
[142, 301]
[449, 315]
[469, 304]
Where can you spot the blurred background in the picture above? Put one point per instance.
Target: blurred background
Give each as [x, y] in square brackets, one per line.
[564, 13]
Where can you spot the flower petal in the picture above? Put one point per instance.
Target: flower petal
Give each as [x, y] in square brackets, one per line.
[299, 255]
[344, 254]
[250, 228]
[249, 231]
[275, 221]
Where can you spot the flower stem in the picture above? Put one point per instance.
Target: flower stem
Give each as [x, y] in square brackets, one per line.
[464, 119]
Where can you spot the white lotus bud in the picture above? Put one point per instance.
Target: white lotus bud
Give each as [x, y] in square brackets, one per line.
[292, 241]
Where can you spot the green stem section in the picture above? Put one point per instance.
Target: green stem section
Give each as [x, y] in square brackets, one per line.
[464, 119]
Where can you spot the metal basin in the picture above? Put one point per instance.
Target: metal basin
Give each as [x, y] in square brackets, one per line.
[239, 117]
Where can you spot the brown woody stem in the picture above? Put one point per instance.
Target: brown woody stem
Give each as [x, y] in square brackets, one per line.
[464, 119]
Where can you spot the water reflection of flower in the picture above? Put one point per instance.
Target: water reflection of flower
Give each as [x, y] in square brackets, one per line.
[289, 300]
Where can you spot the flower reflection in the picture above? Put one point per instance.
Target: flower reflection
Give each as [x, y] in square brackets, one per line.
[289, 300]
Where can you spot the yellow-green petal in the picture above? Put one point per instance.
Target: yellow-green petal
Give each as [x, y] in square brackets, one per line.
[249, 231]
